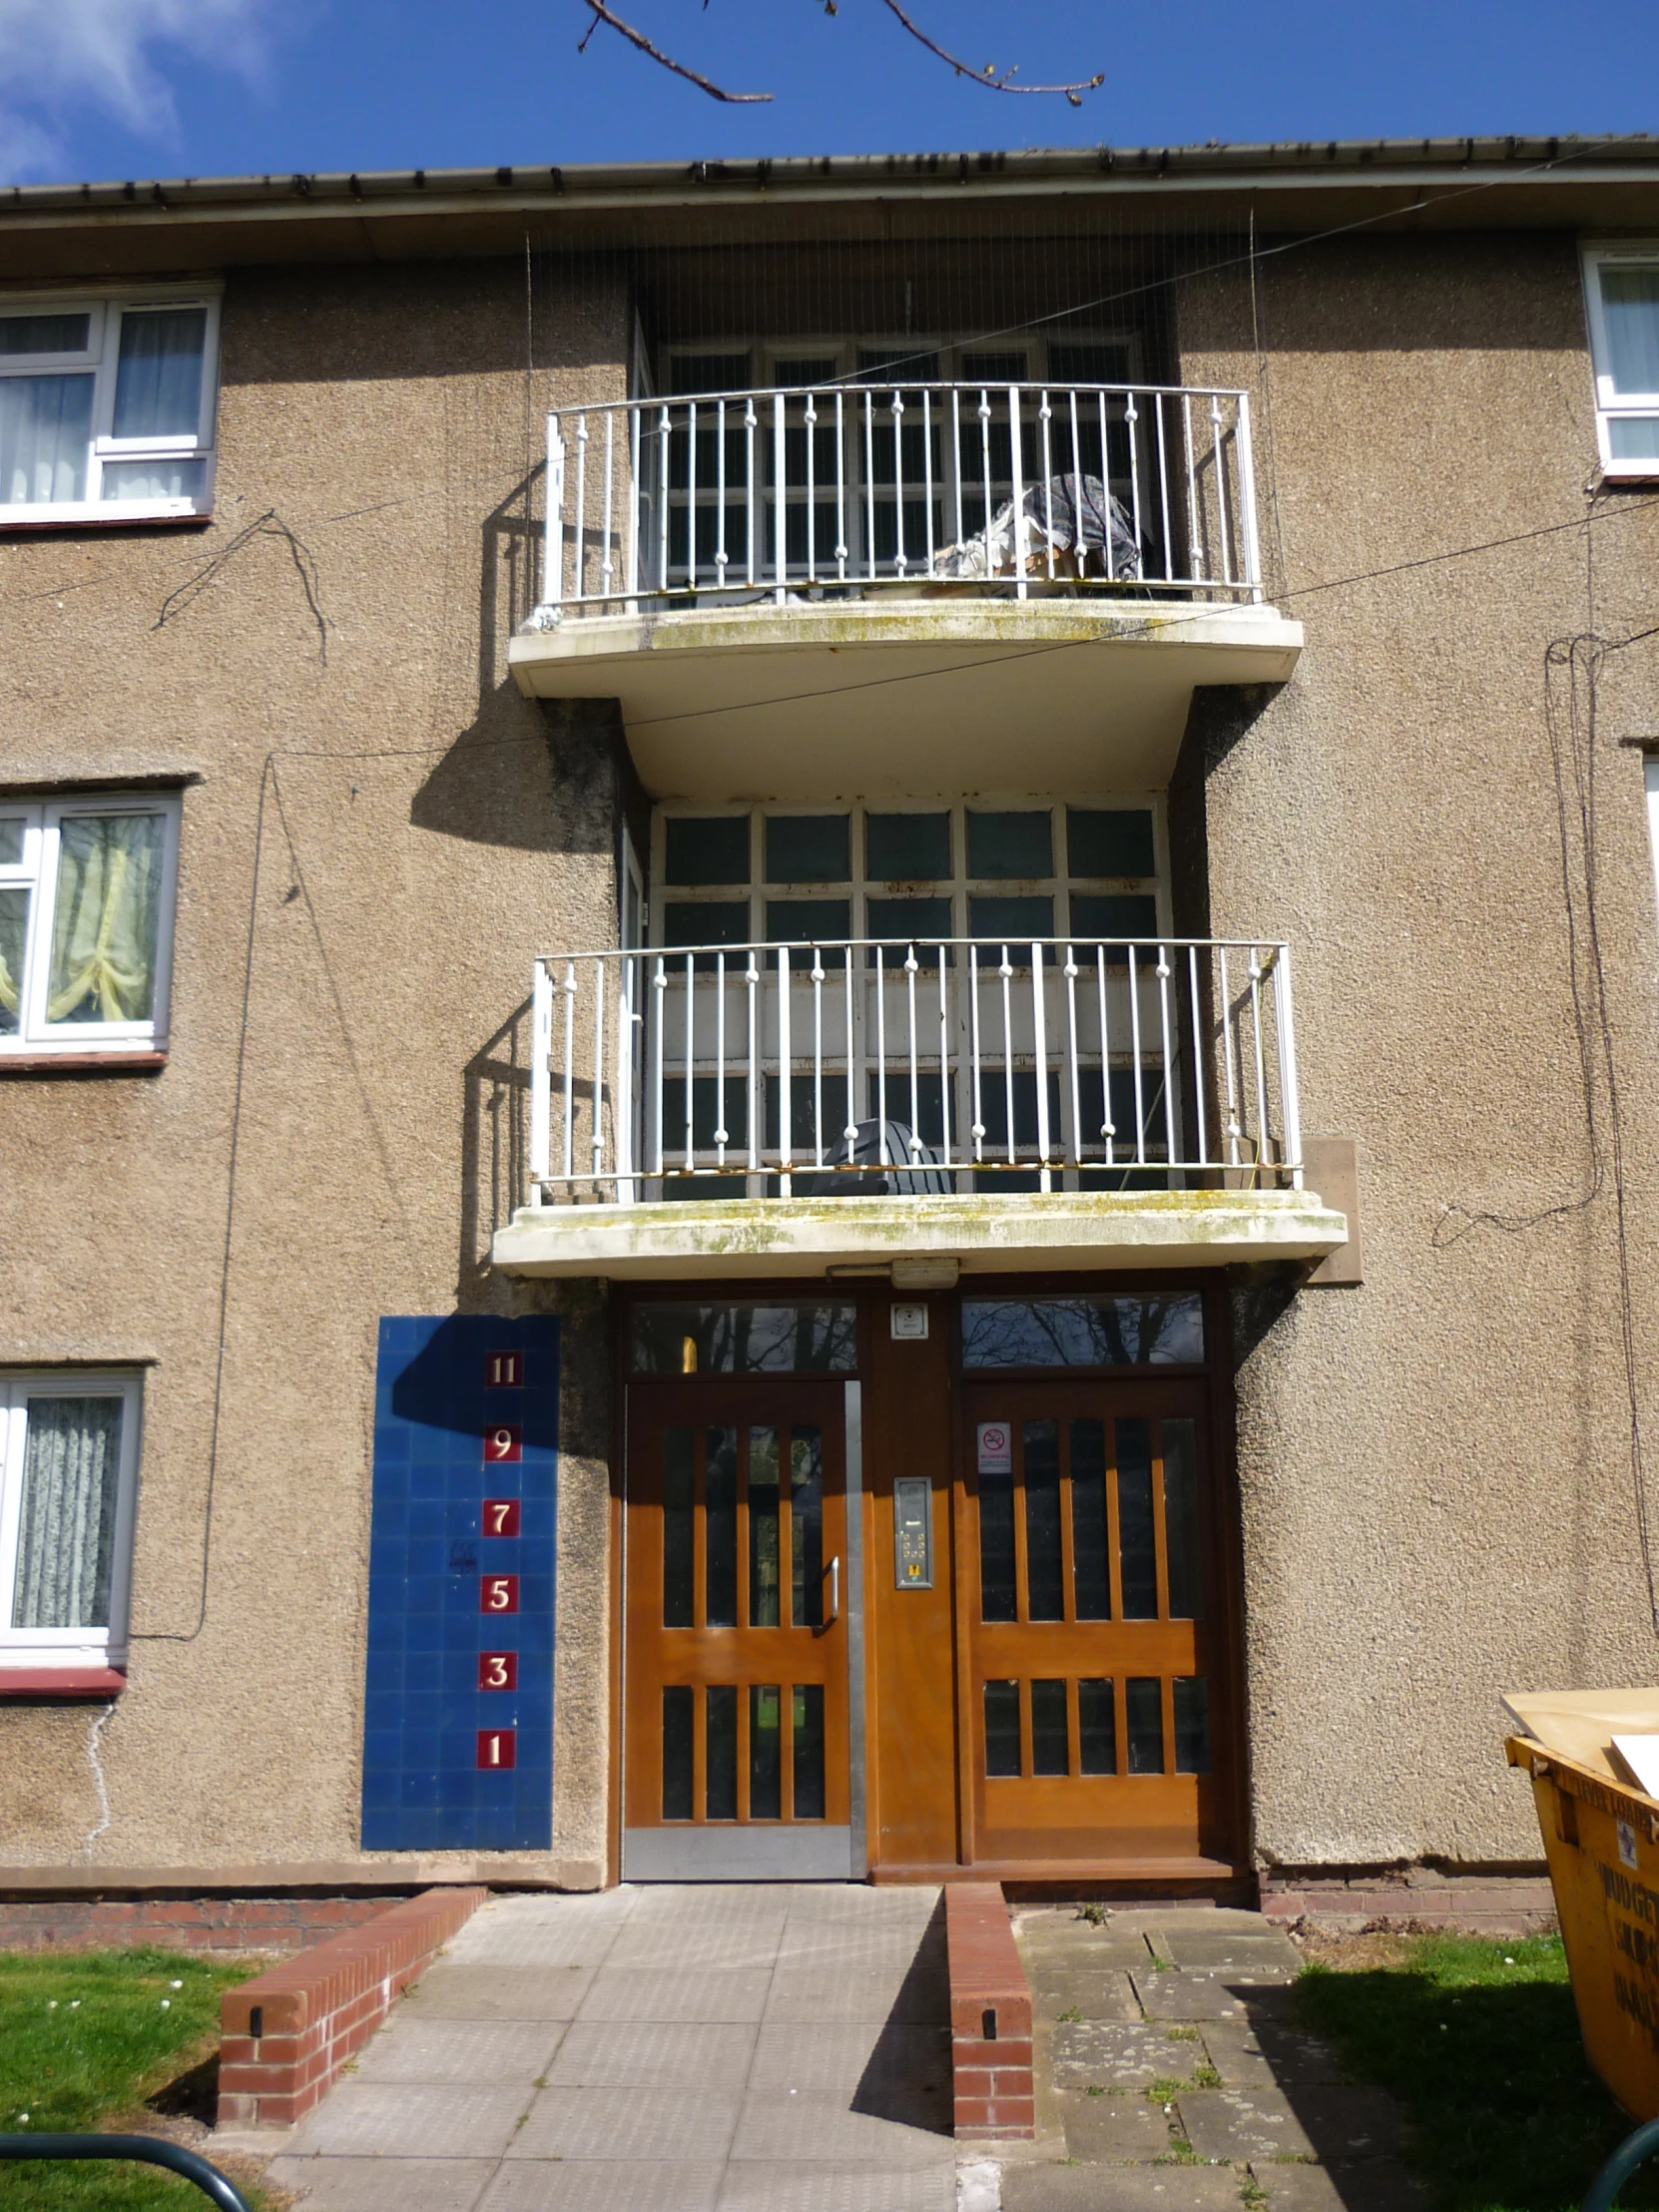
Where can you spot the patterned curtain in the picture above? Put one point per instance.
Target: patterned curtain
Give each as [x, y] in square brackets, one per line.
[105, 917]
[70, 1463]
[14, 930]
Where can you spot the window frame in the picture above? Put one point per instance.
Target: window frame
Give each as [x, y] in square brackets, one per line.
[67, 1648]
[1612, 405]
[101, 358]
[37, 872]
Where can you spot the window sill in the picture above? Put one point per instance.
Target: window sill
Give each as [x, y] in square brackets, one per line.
[81, 1063]
[98, 1682]
[112, 514]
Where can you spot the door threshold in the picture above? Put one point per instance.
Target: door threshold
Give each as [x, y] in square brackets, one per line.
[1137, 1871]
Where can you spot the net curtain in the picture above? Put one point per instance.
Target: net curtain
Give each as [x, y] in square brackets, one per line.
[66, 1538]
[104, 919]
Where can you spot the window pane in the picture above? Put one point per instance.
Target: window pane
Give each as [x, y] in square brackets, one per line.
[1002, 1728]
[996, 1548]
[1082, 1332]
[993, 368]
[1181, 1519]
[806, 1527]
[1192, 1724]
[811, 368]
[745, 1339]
[1113, 918]
[677, 1753]
[1090, 1564]
[1088, 365]
[907, 848]
[1144, 1711]
[158, 379]
[65, 1532]
[11, 841]
[1630, 308]
[918, 921]
[707, 849]
[679, 1525]
[806, 922]
[763, 1528]
[1109, 840]
[155, 479]
[877, 362]
[765, 1764]
[1020, 844]
[1633, 437]
[809, 848]
[719, 1793]
[104, 919]
[706, 922]
[45, 436]
[44, 333]
[1044, 1571]
[708, 1116]
[1136, 1541]
[1050, 1753]
[697, 372]
[720, 1529]
[1013, 922]
[14, 935]
[808, 1752]
[1097, 1728]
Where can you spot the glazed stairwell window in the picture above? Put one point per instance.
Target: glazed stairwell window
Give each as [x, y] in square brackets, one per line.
[68, 1476]
[1621, 286]
[107, 408]
[86, 924]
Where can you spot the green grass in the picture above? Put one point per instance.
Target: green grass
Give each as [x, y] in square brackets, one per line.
[85, 2038]
[1480, 2042]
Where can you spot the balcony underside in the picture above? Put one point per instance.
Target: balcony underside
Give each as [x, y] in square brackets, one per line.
[891, 694]
[983, 1233]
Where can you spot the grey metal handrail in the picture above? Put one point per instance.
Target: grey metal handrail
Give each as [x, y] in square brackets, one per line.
[153, 2150]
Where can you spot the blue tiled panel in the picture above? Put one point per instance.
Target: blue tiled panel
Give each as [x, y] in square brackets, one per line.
[424, 1712]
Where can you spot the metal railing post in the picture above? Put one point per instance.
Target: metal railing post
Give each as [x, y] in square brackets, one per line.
[1251, 540]
[541, 1085]
[1290, 1105]
[553, 522]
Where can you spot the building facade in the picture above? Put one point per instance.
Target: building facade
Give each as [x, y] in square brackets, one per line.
[827, 1014]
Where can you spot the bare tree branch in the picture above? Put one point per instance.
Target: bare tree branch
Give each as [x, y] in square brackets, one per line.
[990, 77]
[602, 14]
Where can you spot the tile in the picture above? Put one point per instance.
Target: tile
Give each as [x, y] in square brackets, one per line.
[634, 2054]
[1118, 2054]
[1110, 2129]
[1263, 2054]
[450, 1992]
[730, 1947]
[1174, 1996]
[1254, 1951]
[835, 1992]
[611, 2125]
[791, 2128]
[1378, 2186]
[759, 2186]
[1129, 2189]
[1240, 2124]
[387, 2119]
[1089, 1996]
[486, 2052]
[850, 2062]
[382, 2184]
[714, 1994]
[603, 2185]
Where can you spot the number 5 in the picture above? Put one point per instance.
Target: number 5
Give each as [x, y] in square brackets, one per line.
[498, 1593]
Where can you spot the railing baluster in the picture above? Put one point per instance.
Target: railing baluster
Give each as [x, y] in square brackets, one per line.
[541, 1075]
[854, 1065]
[719, 495]
[1251, 541]
[1163, 492]
[665, 494]
[945, 1060]
[570, 1071]
[1131, 425]
[621, 1116]
[901, 560]
[597, 1140]
[985, 481]
[1290, 1104]
[780, 498]
[956, 457]
[1198, 1059]
[869, 485]
[1075, 1148]
[1221, 489]
[1164, 973]
[1195, 565]
[721, 1134]
[751, 423]
[842, 548]
[1261, 1066]
[786, 1096]
[635, 505]
[910, 971]
[606, 566]
[753, 1105]
[817, 1057]
[659, 985]
[691, 1024]
[927, 472]
[1039, 1048]
[1006, 971]
[691, 495]
[1108, 1128]
[1232, 1130]
[1135, 1053]
[1016, 472]
[810, 425]
[975, 1061]
[553, 522]
[1045, 416]
[880, 1058]
[580, 510]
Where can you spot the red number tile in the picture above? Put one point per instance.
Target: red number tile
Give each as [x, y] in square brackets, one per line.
[503, 1446]
[498, 1670]
[497, 1748]
[498, 1593]
[504, 1370]
[501, 1516]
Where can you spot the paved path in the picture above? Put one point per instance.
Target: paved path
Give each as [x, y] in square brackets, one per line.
[696, 2049]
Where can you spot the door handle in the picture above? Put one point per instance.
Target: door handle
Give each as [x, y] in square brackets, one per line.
[834, 1591]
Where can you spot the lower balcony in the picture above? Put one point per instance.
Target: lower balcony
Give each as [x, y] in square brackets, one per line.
[929, 1109]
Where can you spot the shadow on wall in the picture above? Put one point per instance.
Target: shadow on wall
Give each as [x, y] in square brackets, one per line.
[907, 2076]
[442, 1387]
[495, 1106]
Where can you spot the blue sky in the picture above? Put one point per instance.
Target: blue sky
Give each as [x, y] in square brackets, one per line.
[144, 88]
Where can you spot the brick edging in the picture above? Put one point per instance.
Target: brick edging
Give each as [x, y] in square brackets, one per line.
[991, 2016]
[284, 2035]
[1417, 1897]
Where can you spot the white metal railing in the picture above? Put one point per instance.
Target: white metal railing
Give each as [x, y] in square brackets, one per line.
[1016, 488]
[840, 1069]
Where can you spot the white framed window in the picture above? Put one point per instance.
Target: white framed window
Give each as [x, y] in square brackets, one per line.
[86, 922]
[69, 1449]
[107, 406]
[1621, 289]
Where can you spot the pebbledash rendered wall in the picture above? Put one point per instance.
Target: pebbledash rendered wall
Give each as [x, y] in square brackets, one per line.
[1438, 1503]
[376, 839]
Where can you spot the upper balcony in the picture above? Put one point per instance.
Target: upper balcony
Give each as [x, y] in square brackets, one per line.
[776, 1109]
[1056, 564]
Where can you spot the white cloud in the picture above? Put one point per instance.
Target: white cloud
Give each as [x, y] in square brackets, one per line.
[57, 56]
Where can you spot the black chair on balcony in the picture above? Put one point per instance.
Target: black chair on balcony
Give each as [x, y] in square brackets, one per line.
[881, 1160]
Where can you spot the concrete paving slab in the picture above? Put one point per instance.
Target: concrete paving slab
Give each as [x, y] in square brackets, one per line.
[400, 2119]
[1119, 2189]
[491, 2053]
[1087, 1997]
[833, 1992]
[384, 2184]
[826, 2059]
[1107, 2130]
[1350, 2124]
[611, 2125]
[779, 2130]
[552, 1944]
[602, 2185]
[653, 2054]
[1256, 1950]
[1243, 2124]
[1109, 2054]
[1267, 2053]
[1174, 1996]
[1378, 2186]
[762, 2187]
[451, 1991]
[688, 1994]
